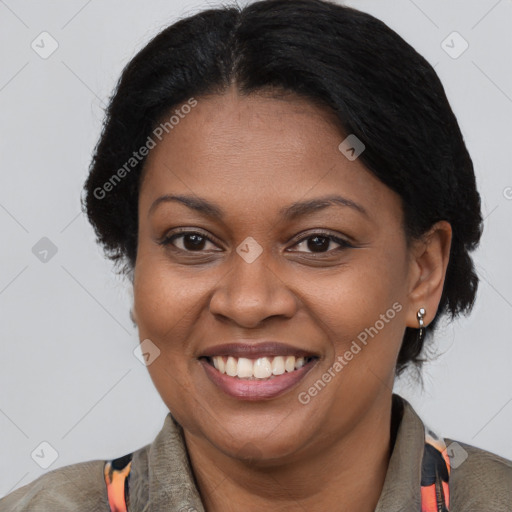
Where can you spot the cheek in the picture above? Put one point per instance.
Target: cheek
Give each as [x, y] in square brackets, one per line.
[163, 298]
[363, 307]
[165, 303]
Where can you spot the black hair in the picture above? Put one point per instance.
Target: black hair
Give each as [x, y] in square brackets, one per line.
[376, 84]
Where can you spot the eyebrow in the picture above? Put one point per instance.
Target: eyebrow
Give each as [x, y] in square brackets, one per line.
[289, 213]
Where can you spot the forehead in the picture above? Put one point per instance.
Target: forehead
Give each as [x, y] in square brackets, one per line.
[258, 150]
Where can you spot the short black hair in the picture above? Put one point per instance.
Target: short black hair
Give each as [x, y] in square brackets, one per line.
[377, 85]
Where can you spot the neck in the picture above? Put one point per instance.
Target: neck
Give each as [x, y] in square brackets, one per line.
[343, 474]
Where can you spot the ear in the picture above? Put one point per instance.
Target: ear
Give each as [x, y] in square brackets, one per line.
[428, 263]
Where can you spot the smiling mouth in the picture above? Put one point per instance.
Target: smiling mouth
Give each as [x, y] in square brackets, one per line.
[262, 368]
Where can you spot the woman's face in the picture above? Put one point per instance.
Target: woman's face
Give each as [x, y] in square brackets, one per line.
[329, 280]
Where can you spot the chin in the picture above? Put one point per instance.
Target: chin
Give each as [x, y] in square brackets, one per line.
[258, 445]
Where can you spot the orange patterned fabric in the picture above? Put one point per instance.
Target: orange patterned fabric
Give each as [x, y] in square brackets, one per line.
[435, 472]
[117, 472]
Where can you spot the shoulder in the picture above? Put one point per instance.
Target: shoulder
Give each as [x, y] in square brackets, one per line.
[479, 480]
[77, 487]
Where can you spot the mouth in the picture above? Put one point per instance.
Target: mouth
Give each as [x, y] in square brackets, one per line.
[256, 371]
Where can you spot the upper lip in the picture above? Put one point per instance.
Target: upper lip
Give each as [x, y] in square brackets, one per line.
[256, 350]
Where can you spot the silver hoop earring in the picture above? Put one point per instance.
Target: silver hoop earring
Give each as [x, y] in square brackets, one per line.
[420, 315]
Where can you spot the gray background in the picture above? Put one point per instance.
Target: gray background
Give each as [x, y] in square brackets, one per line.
[69, 376]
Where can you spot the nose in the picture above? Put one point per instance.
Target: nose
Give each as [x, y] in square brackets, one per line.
[250, 293]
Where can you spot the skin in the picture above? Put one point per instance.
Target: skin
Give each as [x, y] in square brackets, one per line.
[253, 155]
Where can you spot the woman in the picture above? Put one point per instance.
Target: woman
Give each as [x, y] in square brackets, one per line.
[291, 197]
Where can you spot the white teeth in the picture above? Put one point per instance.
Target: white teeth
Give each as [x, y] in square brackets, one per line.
[244, 368]
[231, 367]
[278, 365]
[261, 368]
[289, 364]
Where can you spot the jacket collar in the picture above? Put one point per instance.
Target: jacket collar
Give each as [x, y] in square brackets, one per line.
[402, 485]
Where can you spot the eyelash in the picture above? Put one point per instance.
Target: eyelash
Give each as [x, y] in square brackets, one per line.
[168, 240]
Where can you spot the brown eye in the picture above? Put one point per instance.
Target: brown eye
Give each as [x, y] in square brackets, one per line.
[191, 241]
[320, 243]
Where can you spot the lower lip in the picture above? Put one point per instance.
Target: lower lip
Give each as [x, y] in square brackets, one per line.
[244, 389]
